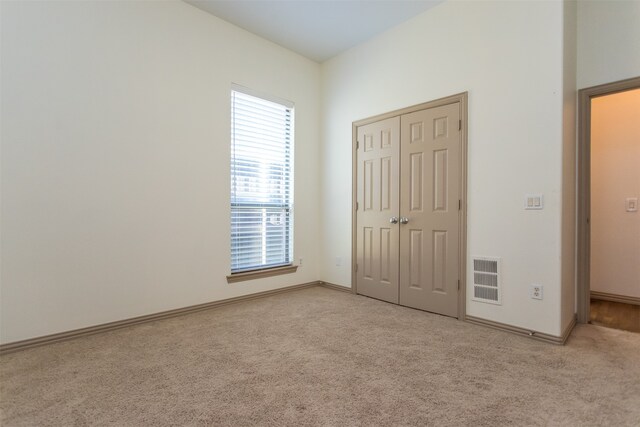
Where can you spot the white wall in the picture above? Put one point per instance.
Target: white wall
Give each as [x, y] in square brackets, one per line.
[608, 41]
[569, 74]
[115, 117]
[615, 175]
[508, 56]
[115, 159]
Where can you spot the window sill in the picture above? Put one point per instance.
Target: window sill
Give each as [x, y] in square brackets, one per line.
[259, 274]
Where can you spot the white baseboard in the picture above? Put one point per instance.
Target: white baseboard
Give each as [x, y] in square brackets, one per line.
[525, 332]
[604, 296]
[76, 333]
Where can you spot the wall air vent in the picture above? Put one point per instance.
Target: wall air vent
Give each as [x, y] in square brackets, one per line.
[487, 286]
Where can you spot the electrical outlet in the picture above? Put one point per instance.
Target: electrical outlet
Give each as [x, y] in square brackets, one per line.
[300, 261]
[338, 261]
[536, 291]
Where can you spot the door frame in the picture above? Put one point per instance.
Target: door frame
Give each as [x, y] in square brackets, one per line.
[583, 285]
[461, 98]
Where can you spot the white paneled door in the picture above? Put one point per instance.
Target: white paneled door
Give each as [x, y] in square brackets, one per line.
[430, 201]
[378, 188]
[408, 209]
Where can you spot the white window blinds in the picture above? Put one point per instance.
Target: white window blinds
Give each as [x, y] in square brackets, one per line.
[261, 182]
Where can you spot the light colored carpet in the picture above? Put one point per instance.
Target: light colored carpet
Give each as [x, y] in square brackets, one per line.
[322, 357]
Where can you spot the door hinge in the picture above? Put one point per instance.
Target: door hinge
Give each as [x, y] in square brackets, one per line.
[356, 267]
[357, 145]
[459, 124]
[458, 284]
[459, 204]
[357, 205]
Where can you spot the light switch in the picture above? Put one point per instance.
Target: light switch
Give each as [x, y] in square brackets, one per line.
[533, 202]
[631, 204]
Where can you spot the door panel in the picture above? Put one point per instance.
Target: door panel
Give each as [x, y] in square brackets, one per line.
[430, 190]
[378, 200]
[416, 180]
[415, 259]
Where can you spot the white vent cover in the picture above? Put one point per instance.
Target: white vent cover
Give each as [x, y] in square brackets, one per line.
[487, 284]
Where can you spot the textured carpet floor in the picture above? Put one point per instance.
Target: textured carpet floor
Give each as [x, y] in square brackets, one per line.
[322, 357]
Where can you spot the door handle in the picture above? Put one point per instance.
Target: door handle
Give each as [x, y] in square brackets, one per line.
[404, 220]
[393, 220]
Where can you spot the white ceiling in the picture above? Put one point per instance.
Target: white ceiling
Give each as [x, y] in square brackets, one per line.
[317, 29]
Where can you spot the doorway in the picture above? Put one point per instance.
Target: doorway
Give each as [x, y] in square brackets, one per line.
[409, 212]
[608, 288]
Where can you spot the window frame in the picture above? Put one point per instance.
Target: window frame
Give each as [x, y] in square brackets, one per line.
[262, 270]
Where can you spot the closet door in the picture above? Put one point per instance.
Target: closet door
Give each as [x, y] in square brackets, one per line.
[429, 210]
[377, 197]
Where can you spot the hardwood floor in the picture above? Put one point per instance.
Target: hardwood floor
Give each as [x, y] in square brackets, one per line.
[615, 315]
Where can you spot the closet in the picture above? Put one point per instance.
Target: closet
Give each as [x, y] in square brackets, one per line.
[410, 174]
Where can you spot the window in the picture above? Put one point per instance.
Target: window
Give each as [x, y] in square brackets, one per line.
[261, 182]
